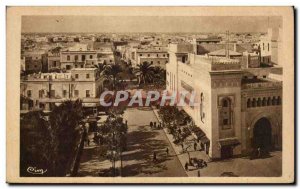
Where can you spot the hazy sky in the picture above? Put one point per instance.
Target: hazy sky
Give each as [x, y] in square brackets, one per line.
[148, 23]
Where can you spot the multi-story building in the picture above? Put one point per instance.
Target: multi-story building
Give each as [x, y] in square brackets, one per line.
[53, 60]
[269, 46]
[79, 56]
[35, 61]
[155, 57]
[46, 89]
[239, 109]
[105, 52]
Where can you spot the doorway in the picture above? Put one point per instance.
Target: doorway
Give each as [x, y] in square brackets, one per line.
[262, 135]
[226, 152]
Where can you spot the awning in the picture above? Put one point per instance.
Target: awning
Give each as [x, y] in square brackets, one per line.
[229, 142]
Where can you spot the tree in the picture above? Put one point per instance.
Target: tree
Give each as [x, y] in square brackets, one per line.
[172, 117]
[100, 67]
[113, 132]
[159, 79]
[35, 146]
[111, 73]
[146, 72]
[65, 131]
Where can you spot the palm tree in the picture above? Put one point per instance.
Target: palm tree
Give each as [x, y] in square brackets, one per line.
[100, 67]
[159, 78]
[111, 72]
[146, 72]
[65, 121]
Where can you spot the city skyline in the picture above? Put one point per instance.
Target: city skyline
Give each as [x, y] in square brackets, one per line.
[156, 24]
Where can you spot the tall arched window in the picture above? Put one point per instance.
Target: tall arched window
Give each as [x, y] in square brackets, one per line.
[248, 103]
[259, 102]
[269, 102]
[253, 102]
[68, 57]
[226, 114]
[274, 101]
[264, 102]
[278, 100]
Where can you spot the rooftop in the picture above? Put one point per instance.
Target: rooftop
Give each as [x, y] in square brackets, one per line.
[222, 52]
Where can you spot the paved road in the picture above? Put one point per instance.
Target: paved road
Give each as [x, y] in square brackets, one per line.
[142, 142]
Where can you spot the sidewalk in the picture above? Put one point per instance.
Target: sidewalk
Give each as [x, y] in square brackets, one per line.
[91, 164]
[183, 157]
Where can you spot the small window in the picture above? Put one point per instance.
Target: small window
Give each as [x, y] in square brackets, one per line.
[81, 66]
[64, 93]
[52, 93]
[148, 55]
[76, 92]
[87, 76]
[87, 93]
[225, 121]
[76, 76]
[76, 57]
[141, 54]
[91, 56]
[29, 93]
[225, 103]
[41, 92]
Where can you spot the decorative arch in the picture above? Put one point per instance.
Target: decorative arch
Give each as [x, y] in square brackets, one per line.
[249, 103]
[276, 126]
[253, 102]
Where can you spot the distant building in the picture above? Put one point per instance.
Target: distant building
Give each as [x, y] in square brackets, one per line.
[208, 40]
[53, 60]
[35, 61]
[78, 56]
[156, 57]
[104, 51]
[269, 46]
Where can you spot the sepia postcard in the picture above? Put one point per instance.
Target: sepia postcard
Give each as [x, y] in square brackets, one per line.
[150, 95]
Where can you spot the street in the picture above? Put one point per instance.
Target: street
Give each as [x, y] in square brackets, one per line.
[142, 142]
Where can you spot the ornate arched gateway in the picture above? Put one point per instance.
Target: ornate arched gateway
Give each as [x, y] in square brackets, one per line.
[262, 135]
[266, 133]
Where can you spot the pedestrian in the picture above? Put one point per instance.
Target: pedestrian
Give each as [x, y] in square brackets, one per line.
[258, 152]
[154, 124]
[198, 173]
[154, 156]
[151, 124]
[186, 166]
[167, 151]
[195, 146]
[88, 142]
